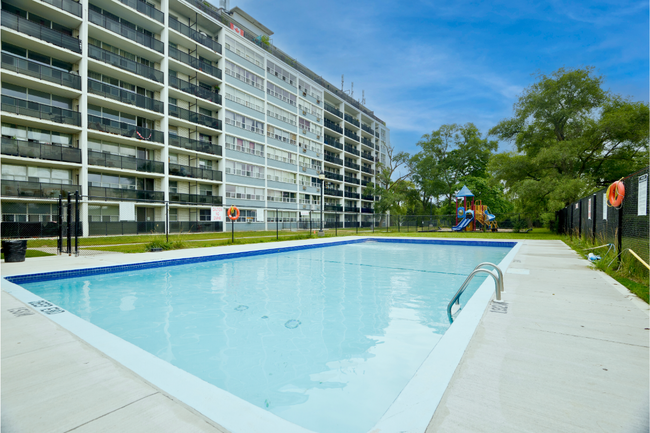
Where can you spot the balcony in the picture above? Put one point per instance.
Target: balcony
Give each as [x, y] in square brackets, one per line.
[352, 209]
[194, 35]
[349, 133]
[331, 191]
[333, 159]
[195, 63]
[124, 96]
[40, 111]
[367, 210]
[333, 207]
[193, 89]
[352, 120]
[333, 126]
[329, 140]
[32, 149]
[125, 162]
[367, 142]
[145, 9]
[332, 109]
[352, 165]
[367, 170]
[102, 193]
[367, 197]
[191, 116]
[351, 149]
[196, 145]
[39, 71]
[335, 176]
[69, 6]
[354, 180]
[210, 200]
[367, 128]
[38, 31]
[125, 31]
[126, 64]
[194, 172]
[349, 194]
[18, 188]
[367, 156]
[124, 129]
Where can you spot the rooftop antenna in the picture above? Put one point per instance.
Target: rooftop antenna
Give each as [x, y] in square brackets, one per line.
[352, 89]
[342, 82]
[363, 97]
[224, 4]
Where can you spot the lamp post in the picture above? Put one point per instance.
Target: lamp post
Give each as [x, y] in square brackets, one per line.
[321, 176]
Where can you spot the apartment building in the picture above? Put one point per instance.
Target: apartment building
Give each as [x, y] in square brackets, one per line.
[155, 109]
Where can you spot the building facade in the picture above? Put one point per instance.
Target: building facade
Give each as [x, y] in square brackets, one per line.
[156, 111]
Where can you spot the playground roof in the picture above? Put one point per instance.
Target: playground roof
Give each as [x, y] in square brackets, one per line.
[464, 192]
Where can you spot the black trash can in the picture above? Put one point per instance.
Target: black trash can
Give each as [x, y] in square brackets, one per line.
[14, 251]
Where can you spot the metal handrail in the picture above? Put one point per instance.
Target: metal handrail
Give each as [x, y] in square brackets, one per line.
[498, 285]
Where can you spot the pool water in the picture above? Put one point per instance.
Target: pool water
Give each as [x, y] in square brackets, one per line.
[325, 337]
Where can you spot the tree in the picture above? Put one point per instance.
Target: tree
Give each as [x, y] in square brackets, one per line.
[388, 189]
[571, 136]
[449, 155]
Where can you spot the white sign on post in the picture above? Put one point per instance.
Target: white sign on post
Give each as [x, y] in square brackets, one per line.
[216, 214]
[589, 210]
[259, 215]
[642, 196]
[304, 213]
[604, 206]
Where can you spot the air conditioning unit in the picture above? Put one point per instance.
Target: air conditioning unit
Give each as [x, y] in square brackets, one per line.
[318, 136]
[304, 112]
[304, 169]
[304, 93]
[304, 150]
[304, 187]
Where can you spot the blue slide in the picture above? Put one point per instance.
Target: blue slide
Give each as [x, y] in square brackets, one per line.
[464, 222]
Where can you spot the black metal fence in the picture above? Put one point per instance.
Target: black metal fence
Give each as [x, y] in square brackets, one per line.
[626, 227]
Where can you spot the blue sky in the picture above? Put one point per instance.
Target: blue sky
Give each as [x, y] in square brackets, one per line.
[423, 64]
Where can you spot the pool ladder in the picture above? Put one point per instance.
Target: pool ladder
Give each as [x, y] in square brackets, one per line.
[498, 282]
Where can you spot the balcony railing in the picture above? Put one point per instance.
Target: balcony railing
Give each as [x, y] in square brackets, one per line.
[40, 111]
[195, 90]
[124, 129]
[126, 31]
[367, 170]
[42, 72]
[331, 191]
[178, 197]
[32, 149]
[103, 193]
[333, 126]
[196, 145]
[367, 156]
[367, 142]
[124, 162]
[333, 159]
[367, 128]
[30, 28]
[354, 180]
[146, 9]
[352, 150]
[335, 176]
[194, 62]
[123, 95]
[70, 6]
[332, 109]
[126, 64]
[366, 210]
[351, 134]
[352, 209]
[19, 188]
[194, 35]
[333, 142]
[194, 172]
[333, 207]
[352, 120]
[193, 117]
[367, 197]
[352, 165]
[349, 194]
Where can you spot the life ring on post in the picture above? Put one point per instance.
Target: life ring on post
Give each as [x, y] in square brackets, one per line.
[616, 193]
[233, 210]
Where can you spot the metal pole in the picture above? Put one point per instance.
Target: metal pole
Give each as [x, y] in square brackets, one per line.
[59, 220]
[310, 222]
[322, 205]
[336, 224]
[373, 222]
[277, 235]
[387, 222]
[167, 221]
[398, 228]
[69, 243]
[232, 230]
[76, 223]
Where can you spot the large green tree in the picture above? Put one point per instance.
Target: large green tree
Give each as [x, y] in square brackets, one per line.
[571, 136]
[391, 184]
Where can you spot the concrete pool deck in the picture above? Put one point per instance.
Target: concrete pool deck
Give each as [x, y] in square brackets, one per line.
[568, 351]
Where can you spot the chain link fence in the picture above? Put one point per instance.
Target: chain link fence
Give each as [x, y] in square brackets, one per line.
[626, 227]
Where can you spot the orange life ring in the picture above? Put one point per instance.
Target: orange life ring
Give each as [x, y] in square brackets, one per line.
[615, 193]
[232, 209]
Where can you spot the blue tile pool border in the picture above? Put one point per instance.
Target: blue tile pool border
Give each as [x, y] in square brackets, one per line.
[58, 275]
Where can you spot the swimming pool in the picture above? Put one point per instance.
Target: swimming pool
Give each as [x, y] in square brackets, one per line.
[300, 333]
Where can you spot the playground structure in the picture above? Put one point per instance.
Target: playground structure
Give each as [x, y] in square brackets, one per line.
[470, 214]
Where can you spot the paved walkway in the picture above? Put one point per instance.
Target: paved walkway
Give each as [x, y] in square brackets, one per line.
[569, 354]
